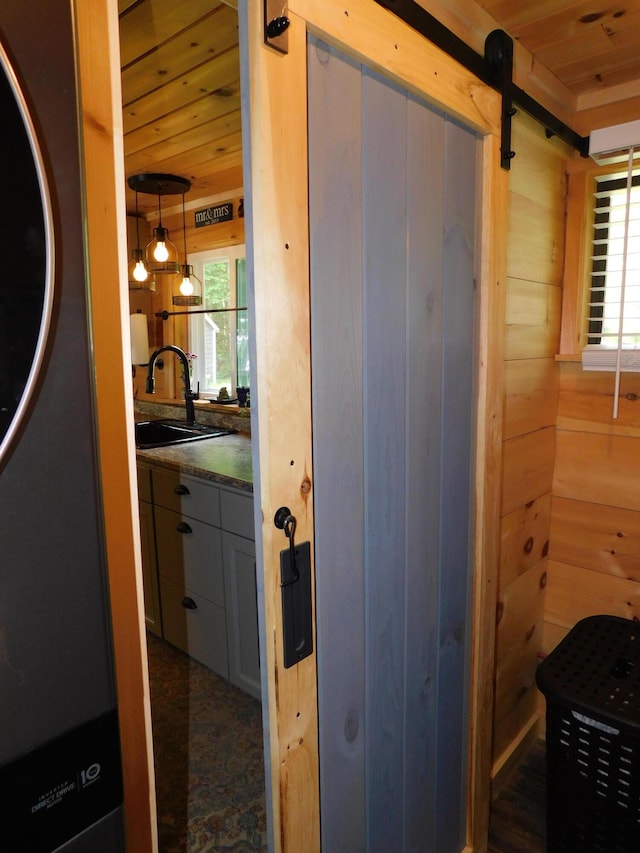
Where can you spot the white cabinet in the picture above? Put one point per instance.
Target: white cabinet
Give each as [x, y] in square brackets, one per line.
[206, 573]
[189, 550]
[239, 557]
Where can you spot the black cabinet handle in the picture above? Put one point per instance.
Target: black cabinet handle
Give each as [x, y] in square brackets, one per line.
[183, 527]
[189, 603]
[181, 490]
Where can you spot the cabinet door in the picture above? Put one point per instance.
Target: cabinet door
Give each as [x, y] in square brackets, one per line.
[195, 625]
[149, 569]
[239, 557]
[189, 554]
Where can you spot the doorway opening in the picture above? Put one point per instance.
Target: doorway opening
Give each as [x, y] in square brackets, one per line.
[180, 74]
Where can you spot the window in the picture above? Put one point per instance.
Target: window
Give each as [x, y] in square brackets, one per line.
[613, 322]
[220, 338]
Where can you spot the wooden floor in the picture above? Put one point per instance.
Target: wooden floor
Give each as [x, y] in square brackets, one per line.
[517, 823]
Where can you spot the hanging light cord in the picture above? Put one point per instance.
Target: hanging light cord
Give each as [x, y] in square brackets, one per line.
[137, 224]
[184, 232]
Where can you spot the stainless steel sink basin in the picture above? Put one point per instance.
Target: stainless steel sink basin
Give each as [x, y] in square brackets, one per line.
[164, 432]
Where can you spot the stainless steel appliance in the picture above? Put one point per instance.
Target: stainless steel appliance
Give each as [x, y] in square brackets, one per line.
[60, 773]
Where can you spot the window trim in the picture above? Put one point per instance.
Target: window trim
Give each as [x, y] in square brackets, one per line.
[198, 259]
[621, 356]
[581, 175]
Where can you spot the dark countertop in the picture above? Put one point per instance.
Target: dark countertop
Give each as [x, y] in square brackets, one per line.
[225, 459]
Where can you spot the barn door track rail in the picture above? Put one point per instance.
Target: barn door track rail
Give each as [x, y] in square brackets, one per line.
[495, 69]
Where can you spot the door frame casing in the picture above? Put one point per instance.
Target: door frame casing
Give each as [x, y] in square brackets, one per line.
[100, 127]
[278, 242]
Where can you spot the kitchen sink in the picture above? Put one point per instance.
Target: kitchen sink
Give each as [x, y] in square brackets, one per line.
[161, 433]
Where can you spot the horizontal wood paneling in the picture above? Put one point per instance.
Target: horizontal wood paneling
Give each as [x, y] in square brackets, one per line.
[586, 402]
[552, 634]
[574, 593]
[592, 536]
[601, 469]
[537, 173]
[532, 320]
[591, 116]
[517, 618]
[520, 613]
[527, 468]
[531, 395]
[536, 239]
[524, 539]
[221, 234]
[532, 331]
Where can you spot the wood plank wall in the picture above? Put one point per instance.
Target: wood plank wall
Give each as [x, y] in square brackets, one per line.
[594, 555]
[533, 305]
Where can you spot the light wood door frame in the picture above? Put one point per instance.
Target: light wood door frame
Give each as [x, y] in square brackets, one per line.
[100, 120]
[278, 247]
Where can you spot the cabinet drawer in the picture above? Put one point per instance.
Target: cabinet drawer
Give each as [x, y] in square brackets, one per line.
[144, 483]
[187, 495]
[236, 511]
[201, 632]
[190, 554]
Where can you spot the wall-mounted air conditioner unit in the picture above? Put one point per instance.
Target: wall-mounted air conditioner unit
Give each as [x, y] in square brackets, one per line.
[611, 144]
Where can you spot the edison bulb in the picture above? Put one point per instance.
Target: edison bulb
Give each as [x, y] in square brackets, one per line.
[186, 286]
[140, 271]
[161, 253]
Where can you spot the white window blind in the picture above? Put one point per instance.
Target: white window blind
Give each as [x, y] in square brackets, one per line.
[613, 322]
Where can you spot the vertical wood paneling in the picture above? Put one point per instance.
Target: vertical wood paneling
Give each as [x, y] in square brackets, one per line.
[458, 392]
[384, 300]
[336, 312]
[423, 438]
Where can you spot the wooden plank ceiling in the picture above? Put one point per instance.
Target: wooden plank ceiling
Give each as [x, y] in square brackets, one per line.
[181, 77]
[181, 95]
[589, 45]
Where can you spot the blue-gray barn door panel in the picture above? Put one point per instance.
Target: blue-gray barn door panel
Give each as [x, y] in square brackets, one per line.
[457, 441]
[379, 229]
[384, 138]
[422, 447]
[335, 187]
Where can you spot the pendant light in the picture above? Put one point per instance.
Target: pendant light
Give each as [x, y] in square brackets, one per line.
[161, 255]
[139, 278]
[186, 288]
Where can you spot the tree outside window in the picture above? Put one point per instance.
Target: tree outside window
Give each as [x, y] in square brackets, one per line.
[220, 338]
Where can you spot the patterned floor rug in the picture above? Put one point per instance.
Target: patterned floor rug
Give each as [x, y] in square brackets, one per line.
[207, 737]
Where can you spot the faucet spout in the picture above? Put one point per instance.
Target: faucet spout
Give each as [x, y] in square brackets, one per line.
[189, 395]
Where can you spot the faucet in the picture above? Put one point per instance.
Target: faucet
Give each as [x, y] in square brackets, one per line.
[189, 395]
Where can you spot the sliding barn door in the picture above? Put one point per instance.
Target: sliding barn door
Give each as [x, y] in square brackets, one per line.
[392, 218]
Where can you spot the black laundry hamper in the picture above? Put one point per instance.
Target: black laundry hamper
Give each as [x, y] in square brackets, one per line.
[591, 683]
